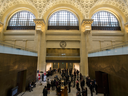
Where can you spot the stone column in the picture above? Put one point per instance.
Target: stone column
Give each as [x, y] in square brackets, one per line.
[85, 44]
[1, 31]
[126, 30]
[41, 44]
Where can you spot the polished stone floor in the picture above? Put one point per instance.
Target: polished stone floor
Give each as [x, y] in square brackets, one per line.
[39, 88]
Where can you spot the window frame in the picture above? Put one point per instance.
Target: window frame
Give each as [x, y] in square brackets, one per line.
[22, 18]
[63, 18]
[105, 20]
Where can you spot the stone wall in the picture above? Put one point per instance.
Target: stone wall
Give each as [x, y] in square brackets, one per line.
[117, 69]
[10, 65]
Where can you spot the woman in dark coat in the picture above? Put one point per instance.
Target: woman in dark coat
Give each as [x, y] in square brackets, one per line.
[45, 91]
[48, 87]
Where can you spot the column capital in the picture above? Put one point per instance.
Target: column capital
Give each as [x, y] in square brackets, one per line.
[126, 24]
[39, 21]
[40, 25]
[86, 25]
[86, 21]
[1, 24]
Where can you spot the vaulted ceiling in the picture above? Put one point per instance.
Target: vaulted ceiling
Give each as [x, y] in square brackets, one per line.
[83, 5]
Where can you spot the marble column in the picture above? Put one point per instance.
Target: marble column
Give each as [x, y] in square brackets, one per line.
[85, 42]
[41, 43]
[1, 31]
[126, 30]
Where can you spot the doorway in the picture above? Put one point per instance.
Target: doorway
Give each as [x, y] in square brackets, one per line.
[21, 81]
[62, 64]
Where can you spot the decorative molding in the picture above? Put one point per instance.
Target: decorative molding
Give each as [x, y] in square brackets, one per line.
[38, 31]
[24, 40]
[84, 6]
[86, 25]
[13, 39]
[63, 44]
[1, 24]
[87, 21]
[39, 21]
[40, 25]
[126, 24]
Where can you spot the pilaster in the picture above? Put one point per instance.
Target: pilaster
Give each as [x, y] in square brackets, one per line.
[85, 43]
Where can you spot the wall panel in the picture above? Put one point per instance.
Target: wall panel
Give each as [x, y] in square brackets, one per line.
[117, 69]
[10, 65]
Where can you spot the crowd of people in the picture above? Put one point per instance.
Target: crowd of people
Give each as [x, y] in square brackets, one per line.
[71, 78]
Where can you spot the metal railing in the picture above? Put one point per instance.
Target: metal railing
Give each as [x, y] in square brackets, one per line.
[16, 46]
[110, 47]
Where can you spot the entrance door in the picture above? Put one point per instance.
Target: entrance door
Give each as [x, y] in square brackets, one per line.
[21, 81]
[70, 65]
[55, 65]
[102, 81]
[62, 65]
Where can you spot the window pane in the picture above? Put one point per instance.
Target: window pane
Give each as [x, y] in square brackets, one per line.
[104, 18]
[63, 18]
[22, 18]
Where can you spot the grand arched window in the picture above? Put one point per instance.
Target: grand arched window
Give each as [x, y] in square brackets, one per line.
[104, 20]
[63, 20]
[21, 20]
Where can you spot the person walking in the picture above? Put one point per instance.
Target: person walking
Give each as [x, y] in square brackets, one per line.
[52, 84]
[45, 91]
[77, 84]
[91, 88]
[74, 81]
[96, 87]
[82, 83]
[69, 86]
[48, 87]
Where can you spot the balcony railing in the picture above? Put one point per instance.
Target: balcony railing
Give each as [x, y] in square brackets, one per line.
[105, 28]
[20, 27]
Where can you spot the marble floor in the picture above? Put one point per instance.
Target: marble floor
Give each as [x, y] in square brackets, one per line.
[39, 89]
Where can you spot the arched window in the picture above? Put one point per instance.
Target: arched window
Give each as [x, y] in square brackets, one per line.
[104, 20]
[21, 19]
[63, 18]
